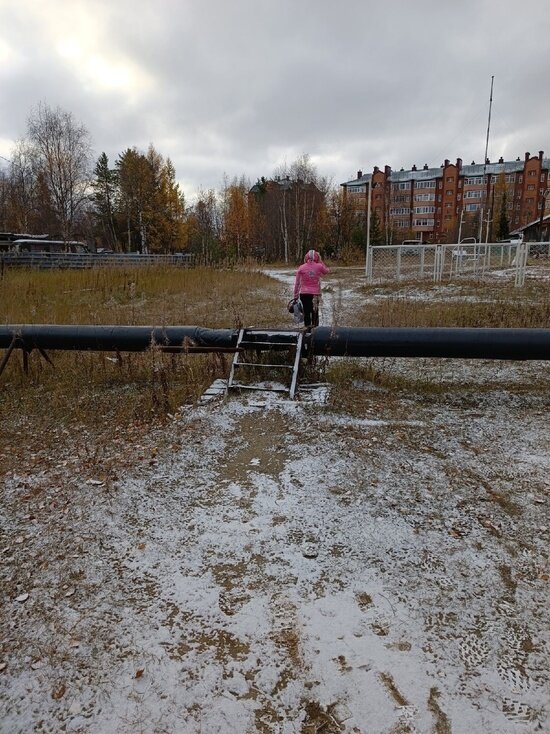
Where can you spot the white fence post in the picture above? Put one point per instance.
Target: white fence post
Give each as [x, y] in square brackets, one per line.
[368, 263]
[438, 264]
[522, 251]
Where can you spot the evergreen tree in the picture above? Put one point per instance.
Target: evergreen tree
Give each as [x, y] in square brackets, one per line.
[104, 195]
[503, 223]
[376, 234]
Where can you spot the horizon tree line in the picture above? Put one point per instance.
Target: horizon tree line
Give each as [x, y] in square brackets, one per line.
[53, 186]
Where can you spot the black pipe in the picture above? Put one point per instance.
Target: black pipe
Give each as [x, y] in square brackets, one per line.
[113, 338]
[433, 342]
[516, 344]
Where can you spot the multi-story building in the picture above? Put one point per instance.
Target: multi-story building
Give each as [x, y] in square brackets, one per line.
[454, 200]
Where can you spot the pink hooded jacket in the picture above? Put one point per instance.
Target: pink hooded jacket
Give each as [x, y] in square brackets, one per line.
[308, 275]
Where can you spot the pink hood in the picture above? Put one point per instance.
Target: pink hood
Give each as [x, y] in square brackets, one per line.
[312, 256]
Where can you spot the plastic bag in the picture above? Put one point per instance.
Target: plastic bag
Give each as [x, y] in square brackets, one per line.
[297, 311]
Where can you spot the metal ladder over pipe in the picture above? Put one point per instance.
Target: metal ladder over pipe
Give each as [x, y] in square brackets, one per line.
[293, 342]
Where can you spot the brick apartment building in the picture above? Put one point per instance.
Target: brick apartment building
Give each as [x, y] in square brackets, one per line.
[435, 204]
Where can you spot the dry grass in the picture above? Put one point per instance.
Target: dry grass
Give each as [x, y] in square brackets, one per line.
[421, 304]
[88, 398]
[157, 295]
[464, 304]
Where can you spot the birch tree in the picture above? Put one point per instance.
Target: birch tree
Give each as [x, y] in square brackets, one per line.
[60, 149]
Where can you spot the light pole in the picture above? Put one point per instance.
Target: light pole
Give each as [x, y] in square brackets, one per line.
[367, 249]
[542, 208]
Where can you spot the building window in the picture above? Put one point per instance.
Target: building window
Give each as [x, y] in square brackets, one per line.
[472, 207]
[450, 179]
[473, 180]
[400, 210]
[424, 197]
[530, 187]
[402, 186]
[542, 177]
[425, 185]
[423, 222]
[520, 178]
[510, 177]
[449, 192]
[424, 209]
[459, 197]
[356, 189]
[473, 194]
[448, 205]
[532, 173]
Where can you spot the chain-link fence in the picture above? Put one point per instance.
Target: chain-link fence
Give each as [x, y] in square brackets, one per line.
[438, 262]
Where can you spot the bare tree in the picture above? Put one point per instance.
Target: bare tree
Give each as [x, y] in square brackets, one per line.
[4, 200]
[301, 204]
[61, 153]
[23, 189]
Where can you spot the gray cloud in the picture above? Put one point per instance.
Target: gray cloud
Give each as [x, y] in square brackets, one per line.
[238, 87]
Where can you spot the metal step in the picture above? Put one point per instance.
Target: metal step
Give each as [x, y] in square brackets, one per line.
[245, 344]
[264, 366]
[238, 386]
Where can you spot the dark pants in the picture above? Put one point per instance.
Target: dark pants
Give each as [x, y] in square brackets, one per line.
[310, 304]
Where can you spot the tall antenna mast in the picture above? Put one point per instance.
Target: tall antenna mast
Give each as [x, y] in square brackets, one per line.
[486, 189]
[488, 124]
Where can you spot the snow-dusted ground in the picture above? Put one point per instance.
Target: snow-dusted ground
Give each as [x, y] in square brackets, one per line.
[288, 567]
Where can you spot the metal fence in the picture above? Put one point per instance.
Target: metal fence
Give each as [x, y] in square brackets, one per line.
[83, 261]
[439, 262]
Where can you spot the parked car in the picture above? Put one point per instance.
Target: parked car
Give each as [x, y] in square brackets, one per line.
[514, 239]
[536, 249]
[49, 246]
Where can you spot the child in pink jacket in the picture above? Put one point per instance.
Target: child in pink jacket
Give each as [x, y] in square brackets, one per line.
[307, 286]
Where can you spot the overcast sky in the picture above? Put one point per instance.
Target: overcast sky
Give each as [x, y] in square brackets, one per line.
[239, 86]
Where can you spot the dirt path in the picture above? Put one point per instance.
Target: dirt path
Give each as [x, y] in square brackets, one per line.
[287, 568]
